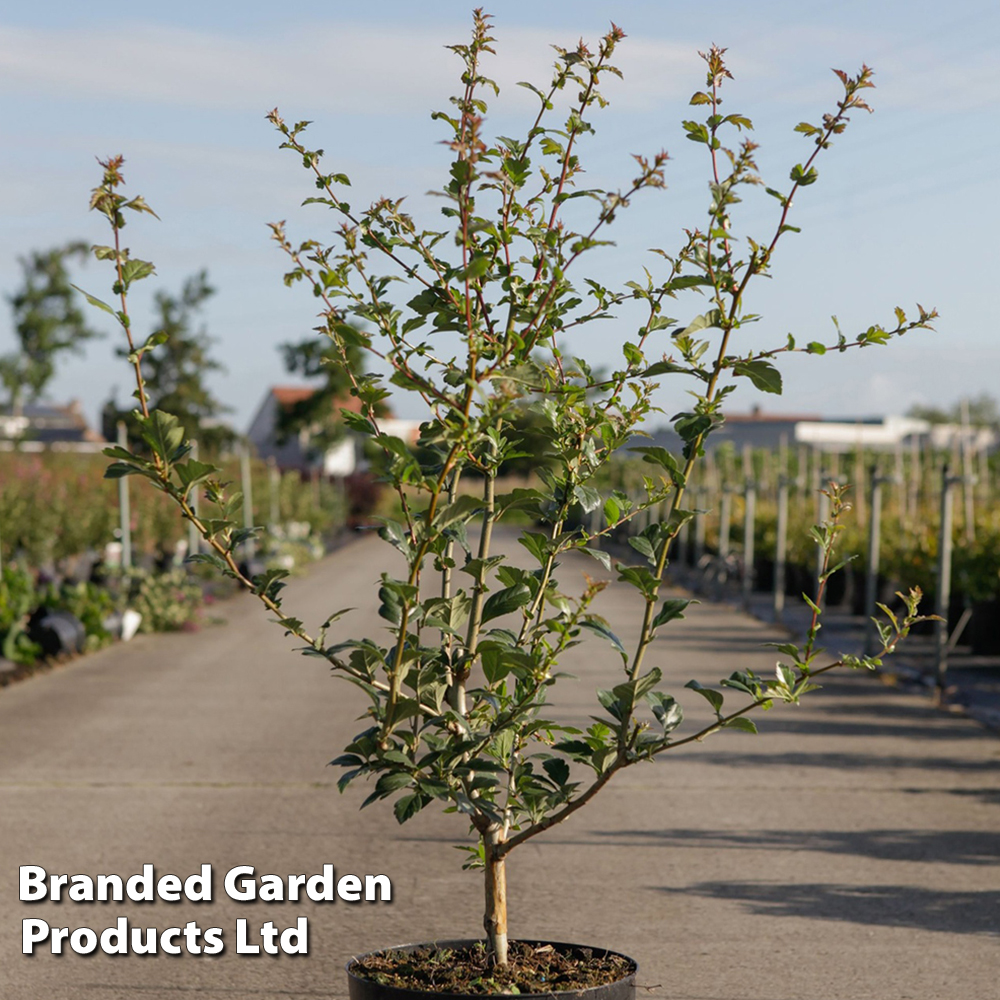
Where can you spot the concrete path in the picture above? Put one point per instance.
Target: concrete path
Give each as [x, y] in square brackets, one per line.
[849, 851]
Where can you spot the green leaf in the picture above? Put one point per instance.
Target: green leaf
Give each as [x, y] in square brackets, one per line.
[639, 577]
[163, 433]
[669, 368]
[153, 340]
[589, 499]
[762, 373]
[136, 270]
[95, 302]
[661, 457]
[391, 608]
[628, 694]
[193, 472]
[117, 470]
[269, 583]
[803, 177]
[557, 769]
[600, 627]
[464, 508]
[644, 547]
[667, 711]
[211, 559]
[714, 698]
[537, 544]
[670, 610]
[742, 723]
[712, 318]
[503, 602]
[391, 782]
[602, 557]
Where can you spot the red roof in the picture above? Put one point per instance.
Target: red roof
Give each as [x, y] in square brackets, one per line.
[289, 395]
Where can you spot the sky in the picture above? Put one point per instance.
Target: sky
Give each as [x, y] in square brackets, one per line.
[905, 210]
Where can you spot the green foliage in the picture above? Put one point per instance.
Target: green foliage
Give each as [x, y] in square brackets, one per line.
[175, 361]
[17, 600]
[981, 411]
[475, 319]
[168, 602]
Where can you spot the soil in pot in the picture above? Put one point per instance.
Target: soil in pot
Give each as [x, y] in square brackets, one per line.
[463, 968]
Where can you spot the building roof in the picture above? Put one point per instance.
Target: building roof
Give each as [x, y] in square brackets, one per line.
[47, 422]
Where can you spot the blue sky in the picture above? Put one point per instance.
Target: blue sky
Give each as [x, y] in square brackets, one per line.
[905, 210]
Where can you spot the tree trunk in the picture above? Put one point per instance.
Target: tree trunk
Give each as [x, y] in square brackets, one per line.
[495, 918]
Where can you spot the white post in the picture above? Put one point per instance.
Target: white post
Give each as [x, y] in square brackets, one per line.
[194, 536]
[249, 549]
[124, 505]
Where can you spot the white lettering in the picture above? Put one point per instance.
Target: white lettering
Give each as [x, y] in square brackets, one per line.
[33, 931]
[294, 881]
[349, 888]
[168, 888]
[82, 889]
[242, 947]
[320, 888]
[114, 940]
[300, 934]
[198, 888]
[213, 941]
[139, 947]
[140, 887]
[83, 941]
[31, 883]
[167, 938]
[246, 890]
[384, 885]
[114, 882]
[272, 889]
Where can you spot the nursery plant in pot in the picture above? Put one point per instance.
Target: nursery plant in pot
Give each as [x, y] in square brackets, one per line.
[477, 320]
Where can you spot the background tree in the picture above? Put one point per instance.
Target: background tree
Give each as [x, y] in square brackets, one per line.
[174, 372]
[319, 414]
[983, 411]
[47, 322]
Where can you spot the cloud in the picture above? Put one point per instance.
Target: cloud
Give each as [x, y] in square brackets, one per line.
[356, 68]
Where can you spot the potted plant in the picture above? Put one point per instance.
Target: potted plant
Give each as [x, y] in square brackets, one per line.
[482, 332]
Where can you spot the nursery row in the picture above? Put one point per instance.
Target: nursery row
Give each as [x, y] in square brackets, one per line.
[83, 565]
[56, 507]
[774, 498]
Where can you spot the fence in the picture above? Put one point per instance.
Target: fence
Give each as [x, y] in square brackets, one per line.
[920, 517]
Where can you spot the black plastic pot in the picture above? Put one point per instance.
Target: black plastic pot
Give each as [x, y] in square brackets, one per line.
[621, 989]
[57, 632]
[983, 633]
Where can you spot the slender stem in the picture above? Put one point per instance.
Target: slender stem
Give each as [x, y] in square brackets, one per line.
[479, 591]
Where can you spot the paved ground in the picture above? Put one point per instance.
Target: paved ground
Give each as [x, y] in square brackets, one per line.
[850, 851]
[972, 682]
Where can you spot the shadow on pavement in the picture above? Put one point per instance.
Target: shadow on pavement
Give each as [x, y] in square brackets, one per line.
[959, 847]
[882, 905]
[851, 762]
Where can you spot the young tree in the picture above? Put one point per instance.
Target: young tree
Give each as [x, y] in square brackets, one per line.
[47, 322]
[458, 692]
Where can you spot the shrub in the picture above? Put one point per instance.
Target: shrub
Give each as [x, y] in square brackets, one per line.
[482, 333]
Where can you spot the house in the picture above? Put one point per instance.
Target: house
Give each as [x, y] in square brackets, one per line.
[766, 430]
[298, 452]
[39, 426]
